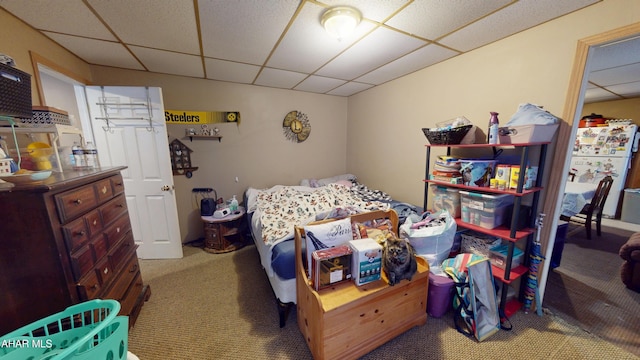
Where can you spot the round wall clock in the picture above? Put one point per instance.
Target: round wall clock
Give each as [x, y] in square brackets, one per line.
[296, 126]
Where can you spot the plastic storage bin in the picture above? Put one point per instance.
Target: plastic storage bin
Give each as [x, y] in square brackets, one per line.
[498, 256]
[631, 206]
[440, 295]
[484, 210]
[478, 243]
[446, 198]
[89, 330]
[477, 172]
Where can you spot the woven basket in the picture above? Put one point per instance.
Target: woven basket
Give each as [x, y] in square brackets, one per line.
[446, 137]
[15, 92]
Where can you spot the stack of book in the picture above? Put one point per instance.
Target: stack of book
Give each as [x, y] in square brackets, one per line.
[447, 169]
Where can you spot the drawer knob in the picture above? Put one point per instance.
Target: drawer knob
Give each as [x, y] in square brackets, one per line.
[120, 205]
[77, 201]
[134, 268]
[94, 287]
[95, 222]
[118, 230]
[105, 271]
[104, 190]
[81, 233]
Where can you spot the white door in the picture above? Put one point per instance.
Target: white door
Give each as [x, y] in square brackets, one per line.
[129, 130]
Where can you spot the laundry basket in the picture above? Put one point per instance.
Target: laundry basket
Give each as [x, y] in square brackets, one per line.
[87, 331]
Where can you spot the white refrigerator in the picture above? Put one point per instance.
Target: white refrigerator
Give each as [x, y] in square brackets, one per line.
[602, 151]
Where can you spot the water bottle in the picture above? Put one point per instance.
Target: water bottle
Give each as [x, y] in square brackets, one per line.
[77, 153]
[91, 155]
[233, 207]
[493, 128]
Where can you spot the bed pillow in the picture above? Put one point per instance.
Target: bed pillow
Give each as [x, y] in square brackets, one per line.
[327, 235]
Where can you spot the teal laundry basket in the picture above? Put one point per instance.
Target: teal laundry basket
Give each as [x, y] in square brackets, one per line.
[90, 330]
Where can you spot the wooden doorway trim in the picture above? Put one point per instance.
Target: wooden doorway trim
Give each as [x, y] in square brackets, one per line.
[573, 106]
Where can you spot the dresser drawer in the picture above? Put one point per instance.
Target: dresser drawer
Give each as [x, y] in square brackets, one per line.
[116, 232]
[130, 298]
[113, 209]
[104, 190]
[94, 222]
[82, 261]
[119, 253]
[104, 271]
[117, 184]
[88, 286]
[100, 247]
[73, 203]
[130, 270]
[75, 234]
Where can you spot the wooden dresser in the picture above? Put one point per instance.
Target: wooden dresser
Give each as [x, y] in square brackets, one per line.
[63, 241]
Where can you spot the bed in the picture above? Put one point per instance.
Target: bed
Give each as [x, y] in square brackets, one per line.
[272, 214]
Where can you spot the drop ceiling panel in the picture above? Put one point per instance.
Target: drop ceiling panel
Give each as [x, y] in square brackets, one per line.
[67, 17]
[231, 71]
[377, 11]
[431, 19]
[319, 84]
[165, 62]
[514, 18]
[421, 58]
[598, 94]
[617, 75]
[350, 88]
[98, 52]
[279, 78]
[630, 89]
[160, 24]
[244, 31]
[379, 48]
[306, 47]
[616, 54]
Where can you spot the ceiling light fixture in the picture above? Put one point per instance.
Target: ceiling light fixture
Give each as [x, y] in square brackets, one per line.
[340, 21]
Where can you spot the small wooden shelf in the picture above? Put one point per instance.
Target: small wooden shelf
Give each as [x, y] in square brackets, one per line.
[487, 145]
[206, 137]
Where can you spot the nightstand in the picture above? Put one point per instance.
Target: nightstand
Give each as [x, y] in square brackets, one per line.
[222, 235]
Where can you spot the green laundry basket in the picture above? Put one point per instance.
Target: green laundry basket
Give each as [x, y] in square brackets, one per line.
[90, 330]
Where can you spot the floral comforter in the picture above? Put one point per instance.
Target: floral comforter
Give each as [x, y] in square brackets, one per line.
[282, 209]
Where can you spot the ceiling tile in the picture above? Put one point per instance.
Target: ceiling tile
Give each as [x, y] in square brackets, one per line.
[377, 49]
[160, 24]
[231, 71]
[615, 54]
[374, 10]
[597, 94]
[617, 75]
[67, 17]
[630, 89]
[350, 88]
[98, 52]
[279, 78]
[306, 47]
[169, 62]
[421, 58]
[243, 31]
[432, 19]
[319, 84]
[514, 18]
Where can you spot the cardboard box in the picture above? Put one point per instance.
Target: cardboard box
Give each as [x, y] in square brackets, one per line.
[331, 266]
[366, 260]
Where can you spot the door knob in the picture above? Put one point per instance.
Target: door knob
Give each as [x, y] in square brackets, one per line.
[166, 188]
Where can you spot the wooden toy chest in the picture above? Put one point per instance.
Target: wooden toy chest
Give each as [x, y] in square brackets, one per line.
[347, 321]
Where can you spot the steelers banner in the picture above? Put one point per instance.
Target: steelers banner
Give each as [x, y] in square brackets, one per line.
[185, 117]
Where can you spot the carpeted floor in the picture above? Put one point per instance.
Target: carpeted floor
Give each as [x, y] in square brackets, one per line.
[586, 290]
[220, 306]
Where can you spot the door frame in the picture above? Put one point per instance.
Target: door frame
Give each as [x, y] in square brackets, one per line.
[566, 133]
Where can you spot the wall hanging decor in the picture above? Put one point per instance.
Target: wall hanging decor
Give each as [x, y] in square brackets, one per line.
[181, 159]
[296, 126]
